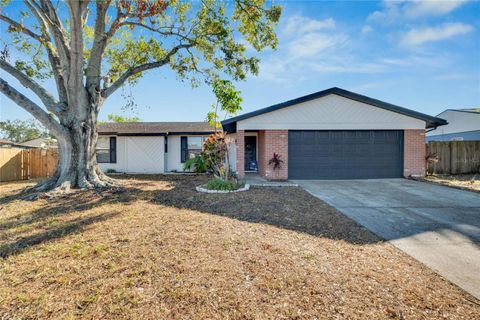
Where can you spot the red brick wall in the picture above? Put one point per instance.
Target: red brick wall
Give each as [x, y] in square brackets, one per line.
[240, 142]
[261, 152]
[414, 152]
[275, 141]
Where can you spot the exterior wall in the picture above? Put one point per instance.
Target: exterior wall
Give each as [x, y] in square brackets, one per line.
[174, 162]
[240, 154]
[331, 112]
[145, 154]
[138, 155]
[173, 156]
[458, 121]
[275, 141]
[414, 150]
[457, 136]
[121, 164]
[232, 151]
[262, 162]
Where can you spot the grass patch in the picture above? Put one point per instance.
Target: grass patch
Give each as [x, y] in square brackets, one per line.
[469, 182]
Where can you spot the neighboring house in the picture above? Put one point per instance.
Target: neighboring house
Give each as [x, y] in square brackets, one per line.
[331, 134]
[149, 147]
[40, 143]
[4, 143]
[463, 125]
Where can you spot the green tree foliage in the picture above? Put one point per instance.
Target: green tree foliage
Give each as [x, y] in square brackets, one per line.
[229, 100]
[120, 119]
[22, 130]
[92, 48]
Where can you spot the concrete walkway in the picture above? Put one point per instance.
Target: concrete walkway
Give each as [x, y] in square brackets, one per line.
[255, 180]
[436, 225]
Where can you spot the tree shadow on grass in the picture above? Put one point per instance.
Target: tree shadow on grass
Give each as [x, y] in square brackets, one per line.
[64, 229]
[284, 207]
[288, 207]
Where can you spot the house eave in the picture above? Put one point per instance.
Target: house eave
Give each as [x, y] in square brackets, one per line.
[230, 126]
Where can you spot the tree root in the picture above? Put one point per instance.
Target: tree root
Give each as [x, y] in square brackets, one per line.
[56, 186]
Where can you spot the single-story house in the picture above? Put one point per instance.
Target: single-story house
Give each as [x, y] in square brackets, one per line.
[41, 143]
[149, 147]
[331, 134]
[4, 143]
[463, 125]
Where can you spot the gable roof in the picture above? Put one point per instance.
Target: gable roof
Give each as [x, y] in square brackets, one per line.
[473, 110]
[230, 125]
[40, 143]
[154, 128]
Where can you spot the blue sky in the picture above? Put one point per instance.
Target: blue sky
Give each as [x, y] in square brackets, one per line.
[423, 55]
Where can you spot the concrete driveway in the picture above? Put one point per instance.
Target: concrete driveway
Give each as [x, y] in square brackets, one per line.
[436, 225]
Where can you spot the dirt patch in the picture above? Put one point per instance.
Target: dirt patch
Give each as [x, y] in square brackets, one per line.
[469, 182]
[159, 249]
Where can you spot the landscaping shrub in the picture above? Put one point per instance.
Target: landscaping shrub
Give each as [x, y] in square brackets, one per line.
[219, 184]
[215, 152]
[196, 164]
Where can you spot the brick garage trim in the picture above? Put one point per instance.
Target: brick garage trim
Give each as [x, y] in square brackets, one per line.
[274, 141]
[414, 151]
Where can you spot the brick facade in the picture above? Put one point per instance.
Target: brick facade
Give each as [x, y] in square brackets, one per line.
[414, 153]
[275, 141]
[262, 162]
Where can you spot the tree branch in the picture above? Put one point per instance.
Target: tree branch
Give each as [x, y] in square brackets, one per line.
[28, 105]
[98, 48]
[58, 35]
[59, 66]
[50, 14]
[21, 28]
[143, 67]
[48, 100]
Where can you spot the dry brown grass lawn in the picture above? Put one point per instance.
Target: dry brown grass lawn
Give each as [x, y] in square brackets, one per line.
[462, 181]
[159, 250]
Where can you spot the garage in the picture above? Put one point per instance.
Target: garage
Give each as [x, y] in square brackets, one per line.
[329, 135]
[345, 154]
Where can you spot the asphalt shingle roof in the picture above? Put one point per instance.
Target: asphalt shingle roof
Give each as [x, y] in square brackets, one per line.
[160, 128]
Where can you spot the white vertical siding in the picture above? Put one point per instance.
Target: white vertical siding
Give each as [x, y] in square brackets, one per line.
[331, 112]
[138, 155]
[173, 155]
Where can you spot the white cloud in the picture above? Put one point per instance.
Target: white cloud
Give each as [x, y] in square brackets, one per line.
[432, 8]
[418, 36]
[300, 25]
[313, 44]
[366, 30]
[394, 11]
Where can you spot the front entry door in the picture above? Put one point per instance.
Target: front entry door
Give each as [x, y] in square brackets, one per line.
[250, 153]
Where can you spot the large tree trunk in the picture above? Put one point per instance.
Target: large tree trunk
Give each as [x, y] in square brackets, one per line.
[77, 165]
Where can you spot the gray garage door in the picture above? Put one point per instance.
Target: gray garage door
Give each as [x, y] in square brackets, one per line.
[345, 154]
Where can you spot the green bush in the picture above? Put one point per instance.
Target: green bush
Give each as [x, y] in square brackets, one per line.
[219, 184]
[196, 164]
[111, 170]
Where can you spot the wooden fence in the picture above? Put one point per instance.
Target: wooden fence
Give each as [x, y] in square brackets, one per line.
[24, 164]
[454, 157]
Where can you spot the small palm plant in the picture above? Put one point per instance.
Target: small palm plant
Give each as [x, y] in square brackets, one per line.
[276, 161]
